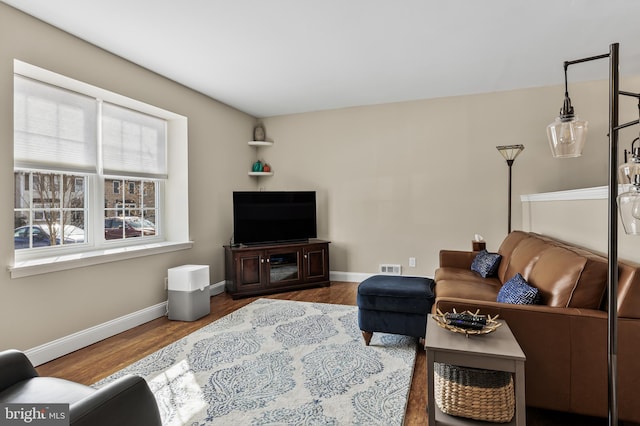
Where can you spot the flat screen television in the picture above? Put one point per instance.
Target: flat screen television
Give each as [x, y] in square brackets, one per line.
[273, 216]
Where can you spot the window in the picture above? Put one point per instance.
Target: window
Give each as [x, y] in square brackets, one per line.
[133, 214]
[70, 149]
[141, 146]
[52, 213]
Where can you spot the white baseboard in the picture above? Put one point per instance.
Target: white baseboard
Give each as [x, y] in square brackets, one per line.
[216, 288]
[65, 345]
[356, 277]
[352, 277]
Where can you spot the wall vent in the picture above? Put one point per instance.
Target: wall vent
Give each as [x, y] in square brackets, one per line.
[391, 269]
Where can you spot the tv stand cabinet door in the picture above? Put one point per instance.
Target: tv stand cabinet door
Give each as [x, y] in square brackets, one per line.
[284, 266]
[249, 271]
[316, 262]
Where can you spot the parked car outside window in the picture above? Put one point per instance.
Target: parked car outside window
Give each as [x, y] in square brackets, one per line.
[133, 227]
[40, 235]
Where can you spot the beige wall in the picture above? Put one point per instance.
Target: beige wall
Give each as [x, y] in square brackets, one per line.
[408, 179]
[40, 309]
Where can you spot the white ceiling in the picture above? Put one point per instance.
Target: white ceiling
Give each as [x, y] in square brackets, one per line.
[287, 56]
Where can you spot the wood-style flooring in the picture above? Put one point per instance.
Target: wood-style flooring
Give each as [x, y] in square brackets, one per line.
[95, 362]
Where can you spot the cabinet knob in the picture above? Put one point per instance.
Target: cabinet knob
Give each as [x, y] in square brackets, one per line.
[305, 256]
[261, 260]
[267, 260]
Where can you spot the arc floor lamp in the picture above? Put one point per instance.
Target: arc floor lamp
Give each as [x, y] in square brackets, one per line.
[566, 138]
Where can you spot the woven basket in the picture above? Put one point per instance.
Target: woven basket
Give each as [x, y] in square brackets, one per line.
[474, 393]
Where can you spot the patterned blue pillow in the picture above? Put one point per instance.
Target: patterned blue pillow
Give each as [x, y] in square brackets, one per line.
[518, 292]
[486, 264]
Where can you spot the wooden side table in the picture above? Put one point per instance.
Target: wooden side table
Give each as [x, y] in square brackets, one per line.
[498, 350]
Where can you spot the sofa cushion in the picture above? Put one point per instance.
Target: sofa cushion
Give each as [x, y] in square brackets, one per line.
[524, 257]
[486, 264]
[518, 292]
[567, 278]
[452, 273]
[505, 250]
[485, 289]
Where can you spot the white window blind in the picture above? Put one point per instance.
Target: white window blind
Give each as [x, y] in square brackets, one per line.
[54, 128]
[133, 143]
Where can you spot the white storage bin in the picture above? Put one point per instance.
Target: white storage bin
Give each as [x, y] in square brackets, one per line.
[188, 288]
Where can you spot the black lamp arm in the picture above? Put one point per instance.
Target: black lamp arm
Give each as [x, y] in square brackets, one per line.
[567, 112]
[590, 58]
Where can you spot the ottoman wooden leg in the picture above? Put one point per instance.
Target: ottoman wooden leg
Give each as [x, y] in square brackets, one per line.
[367, 337]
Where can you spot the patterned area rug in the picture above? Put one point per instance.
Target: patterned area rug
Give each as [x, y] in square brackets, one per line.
[281, 362]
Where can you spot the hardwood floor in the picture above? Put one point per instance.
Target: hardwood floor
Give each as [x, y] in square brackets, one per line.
[95, 362]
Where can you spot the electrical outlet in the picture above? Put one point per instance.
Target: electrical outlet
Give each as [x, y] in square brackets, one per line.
[412, 262]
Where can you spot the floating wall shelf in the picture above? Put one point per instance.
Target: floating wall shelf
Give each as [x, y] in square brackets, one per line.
[259, 144]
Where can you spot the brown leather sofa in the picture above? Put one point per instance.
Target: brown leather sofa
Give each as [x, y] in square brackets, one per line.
[565, 337]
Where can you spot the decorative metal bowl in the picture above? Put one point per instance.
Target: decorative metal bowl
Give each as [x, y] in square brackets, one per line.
[489, 327]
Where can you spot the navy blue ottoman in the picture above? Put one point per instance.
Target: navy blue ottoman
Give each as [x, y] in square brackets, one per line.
[394, 304]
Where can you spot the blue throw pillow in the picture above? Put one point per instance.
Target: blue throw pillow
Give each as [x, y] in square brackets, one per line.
[518, 292]
[486, 264]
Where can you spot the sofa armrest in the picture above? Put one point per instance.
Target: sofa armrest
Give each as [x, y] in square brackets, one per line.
[457, 259]
[127, 401]
[14, 367]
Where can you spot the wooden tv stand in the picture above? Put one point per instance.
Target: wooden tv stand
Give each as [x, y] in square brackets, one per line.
[271, 268]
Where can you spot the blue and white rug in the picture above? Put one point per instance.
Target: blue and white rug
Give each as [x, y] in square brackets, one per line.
[279, 362]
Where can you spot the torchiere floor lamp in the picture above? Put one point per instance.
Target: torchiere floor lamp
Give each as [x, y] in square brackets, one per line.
[510, 152]
[566, 137]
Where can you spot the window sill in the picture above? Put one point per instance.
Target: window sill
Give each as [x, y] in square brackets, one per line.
[31, 267]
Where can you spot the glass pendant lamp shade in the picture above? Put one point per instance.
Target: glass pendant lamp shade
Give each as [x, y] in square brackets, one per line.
[629, 202]
[629, 172]
[629, 207]
[567, 137]
[567, 134]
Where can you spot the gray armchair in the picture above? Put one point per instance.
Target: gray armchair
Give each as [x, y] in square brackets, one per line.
[126, 401]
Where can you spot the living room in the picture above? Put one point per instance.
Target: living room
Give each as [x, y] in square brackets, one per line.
[394, 180]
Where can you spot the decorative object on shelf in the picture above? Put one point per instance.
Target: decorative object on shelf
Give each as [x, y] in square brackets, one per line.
[266, 168]
[259, 133]
[466, 322]
[257, 166]
[510, 152]
[570, 145]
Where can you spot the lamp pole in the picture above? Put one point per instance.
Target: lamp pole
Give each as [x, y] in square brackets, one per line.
[510, 164]
[612, 282]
